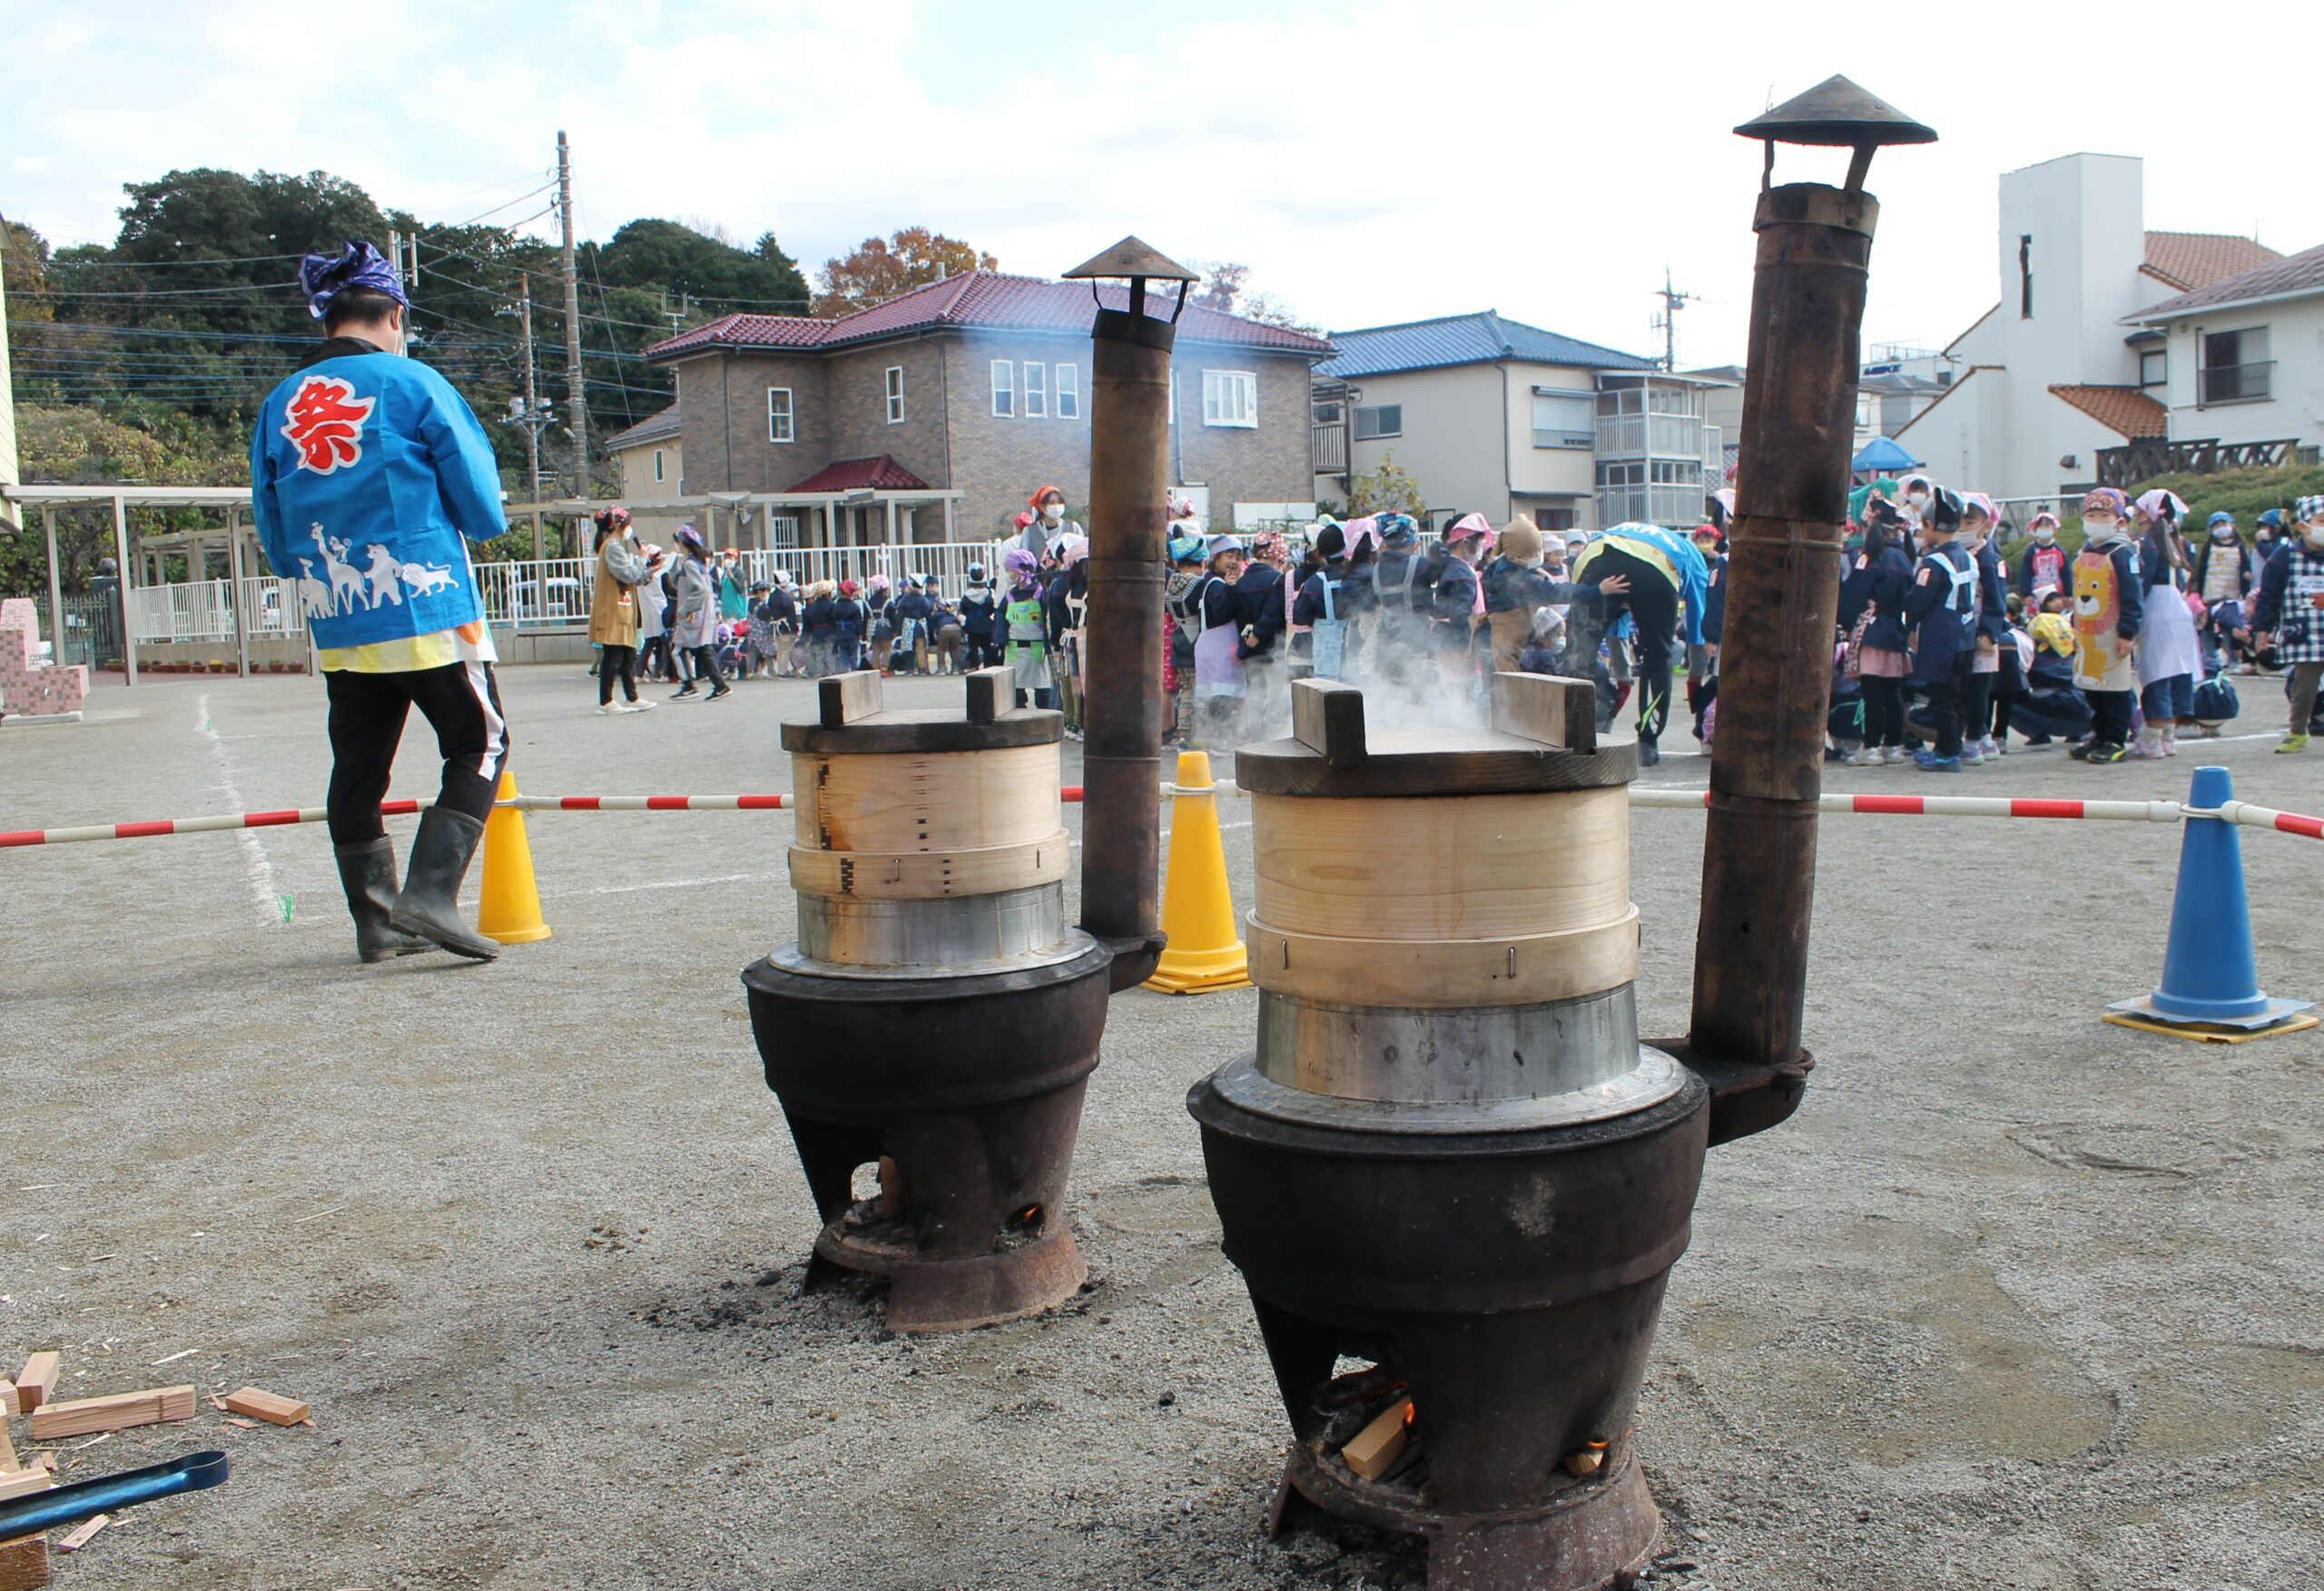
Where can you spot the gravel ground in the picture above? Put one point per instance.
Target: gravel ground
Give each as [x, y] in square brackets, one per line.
[2017, 1300]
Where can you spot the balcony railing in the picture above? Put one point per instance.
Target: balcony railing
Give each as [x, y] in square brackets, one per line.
[2237, 383]
[1327, 448]
[2149, 456]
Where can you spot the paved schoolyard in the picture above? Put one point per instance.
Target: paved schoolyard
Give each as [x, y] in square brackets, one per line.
[2018, 1299]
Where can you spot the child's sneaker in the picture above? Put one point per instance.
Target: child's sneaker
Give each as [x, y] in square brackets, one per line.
[2292, 743]
[1930, 762]
[2103, 754]
[1993, 748]
[1863, 757]
[1970, 756]
[1892, 753]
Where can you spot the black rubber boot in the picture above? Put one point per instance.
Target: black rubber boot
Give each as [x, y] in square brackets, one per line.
[368, 873]
[430, 905]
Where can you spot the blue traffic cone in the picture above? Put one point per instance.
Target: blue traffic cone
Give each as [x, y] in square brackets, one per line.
[2210, 977]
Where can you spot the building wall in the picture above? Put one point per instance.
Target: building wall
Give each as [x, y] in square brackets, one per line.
[1263, 464]
[855, 386]
[1562, 476]
[1453, 439]
[2295, 406]
[1000, 460]
[722, 422]
[636, 463]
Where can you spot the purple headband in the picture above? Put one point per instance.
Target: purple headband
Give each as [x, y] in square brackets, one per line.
[324, 277]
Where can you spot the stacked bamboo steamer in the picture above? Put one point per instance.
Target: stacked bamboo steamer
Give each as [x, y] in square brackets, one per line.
[927, 843]
[1442, 926]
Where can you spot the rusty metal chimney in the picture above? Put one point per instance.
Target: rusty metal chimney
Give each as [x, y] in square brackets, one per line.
[1782, 603]
[1129, 480]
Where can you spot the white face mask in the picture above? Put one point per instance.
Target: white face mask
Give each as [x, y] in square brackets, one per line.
[1917, 499]
[2045, 535]
[2313, 533]
[2099, 530]
[1052, 511]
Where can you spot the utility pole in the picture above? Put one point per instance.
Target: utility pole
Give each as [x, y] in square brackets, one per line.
[530, 411]
[1667, 321]
[577, 410]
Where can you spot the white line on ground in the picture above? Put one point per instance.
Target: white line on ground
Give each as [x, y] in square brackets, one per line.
[666, 884]
[255, 867]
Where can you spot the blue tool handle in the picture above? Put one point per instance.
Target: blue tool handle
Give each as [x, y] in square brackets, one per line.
[83, 1499]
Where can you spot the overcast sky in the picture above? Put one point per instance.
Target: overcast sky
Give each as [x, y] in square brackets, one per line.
[1369, 162]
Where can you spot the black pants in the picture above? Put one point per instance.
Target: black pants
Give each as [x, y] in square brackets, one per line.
[622, 661]
[366, 717]
[1884, 711]
[2110, 715]
[1944, 714]
[1976, 697]
[1652, 602]
[658, 656]
[705, 666]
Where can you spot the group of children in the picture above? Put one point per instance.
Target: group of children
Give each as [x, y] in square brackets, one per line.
[2113, 649]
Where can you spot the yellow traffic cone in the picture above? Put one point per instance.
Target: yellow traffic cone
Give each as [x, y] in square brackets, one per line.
[1205, 951]
[510, 911]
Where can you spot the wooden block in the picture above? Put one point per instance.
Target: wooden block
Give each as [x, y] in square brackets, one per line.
[79, 1536]
[991, 692]
[1548, 708]
[11, 1401]
[36, 1382]
[79, 1416]
[1376, 1445]
[17, 1482]
[1327, 718]
[842, 699]
[7, 1452]
[267, 1406]
[23, 1564]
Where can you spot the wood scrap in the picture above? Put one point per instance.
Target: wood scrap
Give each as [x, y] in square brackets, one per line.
[17, 1482]
[119, 1411]
[36, 1382]
[23, 1564]
[241, 1424]
[10, 1404]
[7, 1452]
[267, 1406]
[1376, 1446]
[79, 1536]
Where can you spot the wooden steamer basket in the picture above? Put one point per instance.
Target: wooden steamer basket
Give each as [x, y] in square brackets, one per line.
[1441, 932]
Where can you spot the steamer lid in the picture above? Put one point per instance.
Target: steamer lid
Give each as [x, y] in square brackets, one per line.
[1543, 739]
[855, 722]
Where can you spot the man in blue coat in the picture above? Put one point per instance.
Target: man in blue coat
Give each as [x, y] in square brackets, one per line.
[1668, 585]
[368, 476]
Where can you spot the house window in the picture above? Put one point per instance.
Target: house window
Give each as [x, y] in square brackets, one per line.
[1068, 392]
[1373, 421]
[2025, 276]
[1631, 473]
[1037, 391]
[1004, 388]
[1230, 397]
[2236, 366]
[778, 414]
[895, 395]
[1563, 419]
[1554, 518]
[2154, 367]
[657, 464]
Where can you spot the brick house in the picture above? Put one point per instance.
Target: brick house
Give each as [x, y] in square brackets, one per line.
[941, 410]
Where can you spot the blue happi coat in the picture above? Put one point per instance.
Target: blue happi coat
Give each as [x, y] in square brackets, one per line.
[367, 470]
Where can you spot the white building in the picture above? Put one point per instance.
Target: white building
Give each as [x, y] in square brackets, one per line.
[2051, 373]
[2242, 363]
[1493, 416]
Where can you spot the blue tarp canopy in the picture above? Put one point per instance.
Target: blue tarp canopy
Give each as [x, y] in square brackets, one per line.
[1880, 456]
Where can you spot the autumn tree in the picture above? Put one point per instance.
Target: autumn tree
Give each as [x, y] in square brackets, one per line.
[1226, 287]
[1390, 488]
[881, 267]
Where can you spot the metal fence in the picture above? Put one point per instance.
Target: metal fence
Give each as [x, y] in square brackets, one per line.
[550, 594]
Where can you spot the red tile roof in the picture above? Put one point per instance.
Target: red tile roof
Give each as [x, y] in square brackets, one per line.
[981, 298]
[2123, 409]
[2302, 274]
[881, 473]
[2188, 261]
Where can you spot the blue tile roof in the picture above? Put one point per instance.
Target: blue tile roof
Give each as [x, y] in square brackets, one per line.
[1465, 339]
